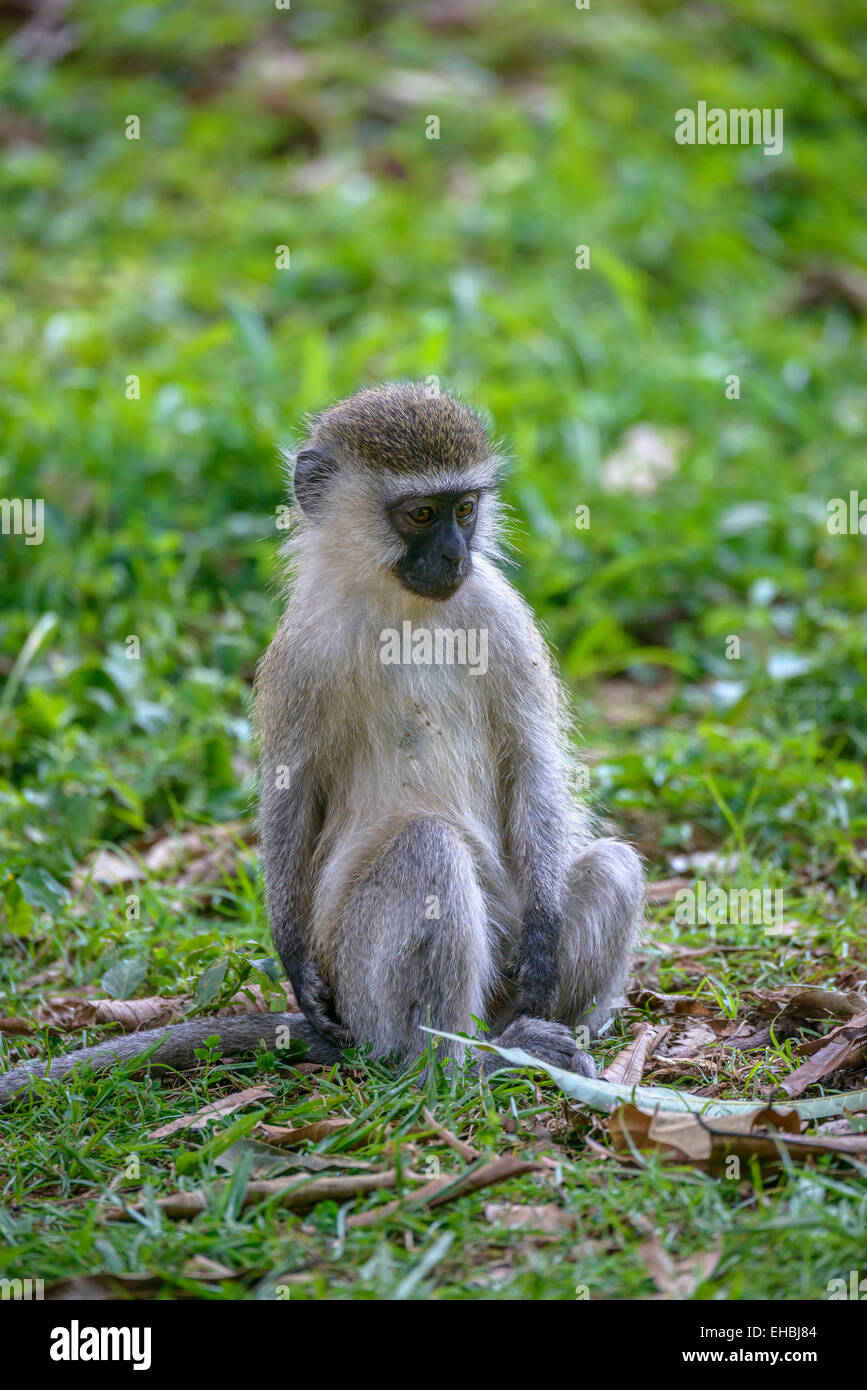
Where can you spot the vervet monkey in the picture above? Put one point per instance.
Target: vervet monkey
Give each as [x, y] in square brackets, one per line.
[427, 857]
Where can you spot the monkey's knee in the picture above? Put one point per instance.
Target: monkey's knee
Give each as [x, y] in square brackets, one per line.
[603, 912]
[608, 875]
[413, 942]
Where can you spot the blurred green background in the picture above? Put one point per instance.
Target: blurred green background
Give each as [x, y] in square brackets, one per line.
[454, 257]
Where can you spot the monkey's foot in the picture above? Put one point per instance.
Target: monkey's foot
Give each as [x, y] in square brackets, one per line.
[550, 1042]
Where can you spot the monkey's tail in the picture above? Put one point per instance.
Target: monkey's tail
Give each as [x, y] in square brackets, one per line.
[177, 1047]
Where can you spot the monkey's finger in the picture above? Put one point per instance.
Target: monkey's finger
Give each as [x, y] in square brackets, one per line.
[334, 1032]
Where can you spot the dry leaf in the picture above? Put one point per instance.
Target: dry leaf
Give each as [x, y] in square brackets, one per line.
[686, 1137]
[16, 1026]
[224, 1106]
[133, 1014]
[191, 856]
[677, 1278]
[686, 1042]
[285, 1137]
[669, 1003]
[844, 1046]
[521, 1217]
[66, 1012]
[628, 1066]
[793, 1001]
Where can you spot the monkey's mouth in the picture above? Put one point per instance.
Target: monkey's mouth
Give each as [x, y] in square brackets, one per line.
[437, 587]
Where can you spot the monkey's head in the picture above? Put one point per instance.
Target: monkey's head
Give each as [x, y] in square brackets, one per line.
[401, 482]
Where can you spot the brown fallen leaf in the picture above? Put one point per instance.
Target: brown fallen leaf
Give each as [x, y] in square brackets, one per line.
[295, 1193]
[744, 1038]
[449, 1188]
[225, 1106]
[524, 1217]
[685, 1042]
[67, 1013]
[794, 1001]
[844, 1046]
[133, 1014]
[16, 1026]
[710, 1142]
[267, 1161]
[677, 1278]
[686, 1137]
[669, 1003]
[284, 1137]
[627, 1069]
[199, 855]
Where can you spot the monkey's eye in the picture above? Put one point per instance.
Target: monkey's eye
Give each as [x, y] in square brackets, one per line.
[465, 509]
[421, 516]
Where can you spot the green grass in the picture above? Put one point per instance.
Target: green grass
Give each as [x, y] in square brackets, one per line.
[412, 257]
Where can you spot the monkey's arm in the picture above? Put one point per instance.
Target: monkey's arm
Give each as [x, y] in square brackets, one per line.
[178, 1046]
[290, 820]
[538, 835]
[291, 814]
[536, 796]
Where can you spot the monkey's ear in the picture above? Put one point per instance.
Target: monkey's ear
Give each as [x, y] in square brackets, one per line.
[313, 469]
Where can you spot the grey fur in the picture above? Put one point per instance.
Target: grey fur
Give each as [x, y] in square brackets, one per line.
[426, 855]
[177, 1049]
[426, 783]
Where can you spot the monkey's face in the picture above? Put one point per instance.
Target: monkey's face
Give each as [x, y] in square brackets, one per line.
[437, 532]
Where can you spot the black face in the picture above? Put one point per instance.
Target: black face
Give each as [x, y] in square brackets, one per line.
[437, 531]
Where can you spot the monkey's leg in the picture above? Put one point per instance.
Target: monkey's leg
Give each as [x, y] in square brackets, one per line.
[602, 911]
[413, 943]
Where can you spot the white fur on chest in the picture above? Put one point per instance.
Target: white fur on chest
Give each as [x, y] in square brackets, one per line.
[406, 740]
[408, 733]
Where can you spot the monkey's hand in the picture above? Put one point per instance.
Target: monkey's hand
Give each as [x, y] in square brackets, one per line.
[315, 1000]
[536, 968]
